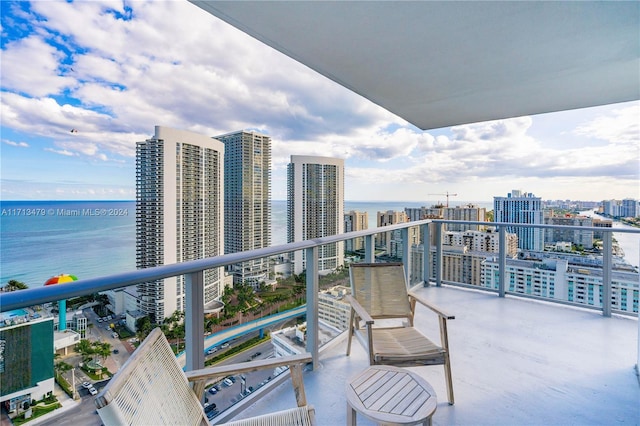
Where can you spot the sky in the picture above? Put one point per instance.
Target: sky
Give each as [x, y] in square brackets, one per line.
[82, 82]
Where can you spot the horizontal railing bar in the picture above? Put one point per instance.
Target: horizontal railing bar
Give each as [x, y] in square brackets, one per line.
[39, 295]
[543, 226]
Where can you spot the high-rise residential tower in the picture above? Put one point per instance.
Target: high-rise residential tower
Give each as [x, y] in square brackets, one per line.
[247, 201]
[315, 208]
[179, 207]
[519, 207]
[355, 221]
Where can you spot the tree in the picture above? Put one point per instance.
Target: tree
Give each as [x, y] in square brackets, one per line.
[62, 367]
[85, 348]
[102, 349]
[13, 285]
[173, 327]
[143, 327]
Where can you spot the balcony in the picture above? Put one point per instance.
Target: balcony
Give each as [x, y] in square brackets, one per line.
[516, 359]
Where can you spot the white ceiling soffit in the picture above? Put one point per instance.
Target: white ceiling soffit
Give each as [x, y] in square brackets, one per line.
[442, 63]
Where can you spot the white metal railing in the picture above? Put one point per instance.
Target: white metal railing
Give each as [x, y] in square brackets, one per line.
[194, 276]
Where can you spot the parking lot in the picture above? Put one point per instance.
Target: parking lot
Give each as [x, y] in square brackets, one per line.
[236, 388]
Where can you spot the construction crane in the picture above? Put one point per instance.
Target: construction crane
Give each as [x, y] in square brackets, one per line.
[448, 195]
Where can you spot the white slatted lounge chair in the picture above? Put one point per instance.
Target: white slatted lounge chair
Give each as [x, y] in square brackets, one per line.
[151, 389]
[379, 291]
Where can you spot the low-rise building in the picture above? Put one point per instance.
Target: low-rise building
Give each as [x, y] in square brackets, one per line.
[333, 308]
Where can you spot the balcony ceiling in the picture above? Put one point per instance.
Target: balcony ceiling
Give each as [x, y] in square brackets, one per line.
[443, 63]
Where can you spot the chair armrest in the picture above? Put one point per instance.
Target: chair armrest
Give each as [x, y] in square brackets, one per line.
[245, 367]
[362, 313]
[431, 306]
[199, 378]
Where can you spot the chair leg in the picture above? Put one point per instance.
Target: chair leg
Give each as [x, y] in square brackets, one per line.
[350, 336]
[448, 378]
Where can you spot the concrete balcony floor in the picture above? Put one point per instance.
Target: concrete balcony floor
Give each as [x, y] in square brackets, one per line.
[514, 361]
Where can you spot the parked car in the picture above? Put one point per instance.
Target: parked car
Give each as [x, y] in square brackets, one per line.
[115, 351]
[114, 335]
[227, 382]
[93, 391]
[99, 319]
[212, 390]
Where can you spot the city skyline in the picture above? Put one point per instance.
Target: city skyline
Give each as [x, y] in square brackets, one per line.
[82, 82]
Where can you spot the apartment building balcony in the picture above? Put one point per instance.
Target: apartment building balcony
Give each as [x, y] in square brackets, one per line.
[515, 362]
[516, 359]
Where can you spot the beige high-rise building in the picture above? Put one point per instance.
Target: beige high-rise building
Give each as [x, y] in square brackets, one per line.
[390, 217]
[355, 221]
[469, 212]
[575, 236]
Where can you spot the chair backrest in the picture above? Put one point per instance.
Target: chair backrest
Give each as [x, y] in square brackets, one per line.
[150, 389]
[381, 289]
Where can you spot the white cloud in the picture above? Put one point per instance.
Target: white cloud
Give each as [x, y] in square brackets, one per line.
[18, 144]
[31, 66]
[61, 152]
[621, 127]
[123, 67]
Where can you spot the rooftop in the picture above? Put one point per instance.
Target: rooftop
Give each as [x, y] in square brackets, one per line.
[515, 362]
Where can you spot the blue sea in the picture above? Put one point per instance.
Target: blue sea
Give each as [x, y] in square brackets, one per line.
[40, 239]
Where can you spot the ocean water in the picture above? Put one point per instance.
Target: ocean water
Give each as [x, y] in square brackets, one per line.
[40, 239]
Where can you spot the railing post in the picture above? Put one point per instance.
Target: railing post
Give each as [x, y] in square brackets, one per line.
[439, 227]
[369, 249]
[607, 257]
[194, 320]
[311, 255]
[502, 260]
[426, 245]
[406, 256]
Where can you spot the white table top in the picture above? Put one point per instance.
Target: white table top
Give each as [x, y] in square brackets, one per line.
[390, 394]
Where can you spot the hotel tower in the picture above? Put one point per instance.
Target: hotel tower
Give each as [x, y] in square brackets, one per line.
[519, 207]
[247, 202]
[179, 207]
[315, 208]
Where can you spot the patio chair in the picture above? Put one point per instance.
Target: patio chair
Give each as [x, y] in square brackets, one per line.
[151, 389]
[379, 292]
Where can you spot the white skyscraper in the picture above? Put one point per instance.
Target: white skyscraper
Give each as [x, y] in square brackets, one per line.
[519, 207]
[247, 201]
[315, 207]
[179, 207]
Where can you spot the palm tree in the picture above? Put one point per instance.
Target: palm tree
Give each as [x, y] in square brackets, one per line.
[13, 285]
[85, 348]
[62, 367]
[102, 349]
[173, 327]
